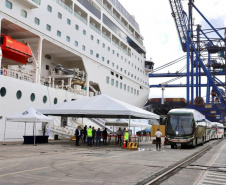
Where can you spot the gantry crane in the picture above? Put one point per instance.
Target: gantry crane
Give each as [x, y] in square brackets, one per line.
[205, 50]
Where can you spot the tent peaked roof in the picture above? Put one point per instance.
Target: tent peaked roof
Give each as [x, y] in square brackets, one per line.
[30, 115]
[100, 106]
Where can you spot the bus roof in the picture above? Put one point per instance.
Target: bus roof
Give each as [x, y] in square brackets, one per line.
[197, 115]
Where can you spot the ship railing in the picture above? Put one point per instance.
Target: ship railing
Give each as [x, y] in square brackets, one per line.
[106, 37]
[37, 1]
[26, 76]
[99, 1]
[117, 19]
[80, 18]
[108, 10]
[115, 44]
[61, 130]
[66, 7]
[95, 29]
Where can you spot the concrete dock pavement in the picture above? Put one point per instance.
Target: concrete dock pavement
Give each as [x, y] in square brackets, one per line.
[61, 162]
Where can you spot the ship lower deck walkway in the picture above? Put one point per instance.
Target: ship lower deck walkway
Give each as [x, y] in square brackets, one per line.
[61, 162]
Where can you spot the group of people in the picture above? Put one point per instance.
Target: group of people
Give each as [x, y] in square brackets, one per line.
[90, 133]
[88, 136]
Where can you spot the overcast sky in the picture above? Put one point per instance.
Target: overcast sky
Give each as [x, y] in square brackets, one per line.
[160, 36]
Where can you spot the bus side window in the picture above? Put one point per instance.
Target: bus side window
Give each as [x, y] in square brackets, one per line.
[1, 40]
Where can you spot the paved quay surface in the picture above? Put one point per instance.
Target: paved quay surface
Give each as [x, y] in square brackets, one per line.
[210, 169]
[64, 163]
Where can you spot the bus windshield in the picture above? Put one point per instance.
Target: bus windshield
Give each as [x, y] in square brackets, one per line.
[179, 125]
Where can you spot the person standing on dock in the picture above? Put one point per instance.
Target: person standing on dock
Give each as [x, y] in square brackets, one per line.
[158, 135]
[98, 136]
[85, 133]
[105, 135]
[78, 134]
[119, 134]
[90, 135]
[126, 136]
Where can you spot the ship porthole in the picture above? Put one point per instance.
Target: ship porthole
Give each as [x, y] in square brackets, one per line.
[32, 97]
[18, 94]
[44, 99]
[65, 100]
[55, 100]
[3, 91]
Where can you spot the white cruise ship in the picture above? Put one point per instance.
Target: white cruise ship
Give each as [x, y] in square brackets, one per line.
[61, 50]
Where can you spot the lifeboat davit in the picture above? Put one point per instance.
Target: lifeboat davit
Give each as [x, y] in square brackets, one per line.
[14, 50]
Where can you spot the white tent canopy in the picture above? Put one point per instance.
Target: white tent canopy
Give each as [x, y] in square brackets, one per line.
[100, 106]
[30, 115]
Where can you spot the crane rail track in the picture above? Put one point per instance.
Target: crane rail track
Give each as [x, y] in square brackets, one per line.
[164, 174]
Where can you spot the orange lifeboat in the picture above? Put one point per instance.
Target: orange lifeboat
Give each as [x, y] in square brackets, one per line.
[14, 50]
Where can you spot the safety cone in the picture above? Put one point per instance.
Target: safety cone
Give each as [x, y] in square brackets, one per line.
[124, 144]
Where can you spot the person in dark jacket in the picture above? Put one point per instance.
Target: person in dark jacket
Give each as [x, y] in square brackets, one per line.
[105, 134]
[98, 136]
[85, 133]
[78, 134]
[93, 134]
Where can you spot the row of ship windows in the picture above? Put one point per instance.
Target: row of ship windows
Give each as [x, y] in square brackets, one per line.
[48, 27]
[117, 84]
[32, 96]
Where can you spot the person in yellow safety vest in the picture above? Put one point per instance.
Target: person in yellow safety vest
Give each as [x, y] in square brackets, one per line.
[90, 135]
[126, 136]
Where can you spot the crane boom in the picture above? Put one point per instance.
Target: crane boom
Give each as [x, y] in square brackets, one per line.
[180, 18]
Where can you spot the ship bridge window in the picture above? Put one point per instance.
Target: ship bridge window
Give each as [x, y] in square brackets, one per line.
[32, 97]
[8, 4]
[59, 15]
[44, 99]
[24, 13]
[3, 91]
[68, 21]
[55, 101]
[68, 39]
[37, 21]
[107, 80]
[49, 8]
[48, 27]
[112, 82]
[58, 33]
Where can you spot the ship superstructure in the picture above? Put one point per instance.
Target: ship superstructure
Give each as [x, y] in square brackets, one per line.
[78, 48]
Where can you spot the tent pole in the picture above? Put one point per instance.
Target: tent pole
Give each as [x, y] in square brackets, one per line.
[4, 132]
[82, 123]
[25, 129]
[129, 123]
[34, 132]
